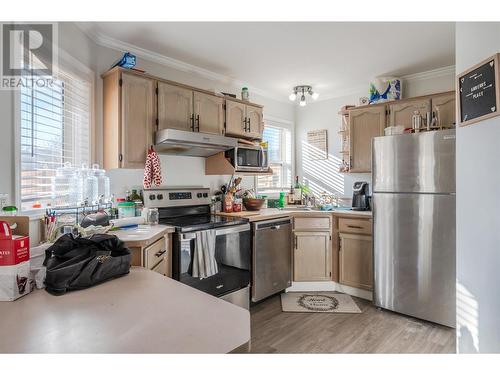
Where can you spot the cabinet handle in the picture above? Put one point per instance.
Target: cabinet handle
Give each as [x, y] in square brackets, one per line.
[192, 122]
[249, 124]
[120, 157]
[160, 253]
[245, 126]
[354, 226]
[295, 242]
[197, 123]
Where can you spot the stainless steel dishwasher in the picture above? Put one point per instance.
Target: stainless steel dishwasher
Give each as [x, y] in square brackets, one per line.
[271, 257]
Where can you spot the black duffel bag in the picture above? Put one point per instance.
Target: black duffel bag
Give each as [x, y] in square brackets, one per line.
[80, 262]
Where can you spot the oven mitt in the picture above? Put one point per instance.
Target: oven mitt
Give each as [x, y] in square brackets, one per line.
[152, 170]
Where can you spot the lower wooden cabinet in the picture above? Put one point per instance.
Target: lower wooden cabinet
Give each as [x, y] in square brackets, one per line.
[156, 257]
[312, 256]
[356, 260]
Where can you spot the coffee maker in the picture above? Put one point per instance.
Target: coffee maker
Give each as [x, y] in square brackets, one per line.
[360, 196]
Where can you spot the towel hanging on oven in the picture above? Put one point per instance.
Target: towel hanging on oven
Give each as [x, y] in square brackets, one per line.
[204, 262]
[152, 170]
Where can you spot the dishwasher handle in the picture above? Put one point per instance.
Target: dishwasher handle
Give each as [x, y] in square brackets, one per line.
[272, 224]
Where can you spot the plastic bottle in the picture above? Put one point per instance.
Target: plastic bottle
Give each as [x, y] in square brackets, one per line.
[282, 201]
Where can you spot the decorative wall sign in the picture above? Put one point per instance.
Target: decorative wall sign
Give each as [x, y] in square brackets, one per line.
[478, 92]
[318, 140]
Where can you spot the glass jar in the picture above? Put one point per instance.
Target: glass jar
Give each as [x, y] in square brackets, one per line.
[237, 205]
[126, 209]
[153, 216]
[89, 182]
[103, 185]
[9, 211]
[244, 94]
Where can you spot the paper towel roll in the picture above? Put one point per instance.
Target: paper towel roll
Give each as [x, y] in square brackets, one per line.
[126, 221]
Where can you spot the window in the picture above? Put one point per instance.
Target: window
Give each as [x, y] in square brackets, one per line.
[55, 129]
[279, 140]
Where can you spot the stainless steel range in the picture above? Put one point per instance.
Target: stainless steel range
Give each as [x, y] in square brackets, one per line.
[188, 210]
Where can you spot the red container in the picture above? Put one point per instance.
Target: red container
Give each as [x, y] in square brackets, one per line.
[13, 249]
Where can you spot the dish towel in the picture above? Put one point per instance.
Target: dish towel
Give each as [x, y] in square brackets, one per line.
[152, 170]
[204, 263]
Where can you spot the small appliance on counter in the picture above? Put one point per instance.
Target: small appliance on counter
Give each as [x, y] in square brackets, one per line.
[360, 196]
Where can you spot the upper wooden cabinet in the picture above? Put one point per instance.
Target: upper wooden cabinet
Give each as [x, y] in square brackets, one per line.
[401, 113]
[243, 120]
[128, 114]
[364, 124]
[208, 113]
[255, 122]
[443, 110]
[175, 107]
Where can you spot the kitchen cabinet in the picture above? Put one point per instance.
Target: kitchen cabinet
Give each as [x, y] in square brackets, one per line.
[208, 113]
[189, 110]
[243, 120]
[400, 113]
[128, 119]
[312, 256]
[154, 256]
[255, 122]
[364, 124]
[443, 110]
[175, 107]
[355, 260]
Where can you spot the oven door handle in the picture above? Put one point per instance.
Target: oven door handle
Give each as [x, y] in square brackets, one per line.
[218, 232]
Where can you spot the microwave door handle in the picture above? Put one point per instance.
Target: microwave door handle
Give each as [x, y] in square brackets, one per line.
[261, 158]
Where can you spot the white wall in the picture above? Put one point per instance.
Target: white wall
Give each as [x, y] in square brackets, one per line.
[478, 207]
[324, 175]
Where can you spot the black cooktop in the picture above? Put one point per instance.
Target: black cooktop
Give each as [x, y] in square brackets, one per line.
[201, 222]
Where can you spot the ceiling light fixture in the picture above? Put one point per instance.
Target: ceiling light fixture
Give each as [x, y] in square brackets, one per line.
[301, 91]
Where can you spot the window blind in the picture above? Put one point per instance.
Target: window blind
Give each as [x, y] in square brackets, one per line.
[280, 159]
[55, 129]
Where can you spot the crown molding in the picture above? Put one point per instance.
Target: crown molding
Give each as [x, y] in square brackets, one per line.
[434, 73]
[118, 45]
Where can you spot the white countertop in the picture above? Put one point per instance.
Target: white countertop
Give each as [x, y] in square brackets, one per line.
[142, 312]
[143, 233]
[270, 213]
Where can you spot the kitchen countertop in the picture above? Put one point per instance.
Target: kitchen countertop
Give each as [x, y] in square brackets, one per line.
[144, 235]
[142, 312]
[271, 213]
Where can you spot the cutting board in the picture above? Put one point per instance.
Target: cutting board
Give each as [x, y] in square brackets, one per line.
[239, 214]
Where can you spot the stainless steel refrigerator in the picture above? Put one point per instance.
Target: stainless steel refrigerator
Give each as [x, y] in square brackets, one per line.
[414, 224]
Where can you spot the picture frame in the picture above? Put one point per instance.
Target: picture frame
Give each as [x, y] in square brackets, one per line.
[462, 92]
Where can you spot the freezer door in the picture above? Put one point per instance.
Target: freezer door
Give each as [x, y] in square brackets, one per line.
[414, 163]
[414, 255]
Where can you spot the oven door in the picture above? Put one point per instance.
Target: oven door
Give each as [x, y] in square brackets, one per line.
[232, 253]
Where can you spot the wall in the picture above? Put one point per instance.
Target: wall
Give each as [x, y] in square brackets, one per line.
[478, 220]
[323, 175]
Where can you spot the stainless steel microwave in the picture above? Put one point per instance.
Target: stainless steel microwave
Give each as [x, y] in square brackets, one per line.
[249, 158]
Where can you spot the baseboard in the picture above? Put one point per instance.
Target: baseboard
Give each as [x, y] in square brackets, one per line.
[329, 286]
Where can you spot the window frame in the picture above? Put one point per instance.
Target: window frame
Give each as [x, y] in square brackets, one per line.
[288, 125]
[72, 66]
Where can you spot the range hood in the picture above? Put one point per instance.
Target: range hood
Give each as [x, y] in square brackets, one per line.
[185, 143]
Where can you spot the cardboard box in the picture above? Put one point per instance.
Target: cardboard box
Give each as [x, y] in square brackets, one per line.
[14, 258]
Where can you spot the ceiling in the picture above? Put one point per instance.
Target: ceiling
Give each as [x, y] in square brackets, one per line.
[334, 57]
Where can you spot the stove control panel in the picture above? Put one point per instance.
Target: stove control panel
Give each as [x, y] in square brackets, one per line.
[176, 197]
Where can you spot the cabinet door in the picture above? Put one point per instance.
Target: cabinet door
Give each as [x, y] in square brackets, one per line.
[364, 124]
[401, 113]
[443, 109]
[137, 109]
[175, 107]
[254, 122]
[312, 256]
[209, 117]
[355, 258]
[235, 119]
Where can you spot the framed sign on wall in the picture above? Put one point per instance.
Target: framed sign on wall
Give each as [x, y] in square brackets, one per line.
[318, 141]
[478, 92]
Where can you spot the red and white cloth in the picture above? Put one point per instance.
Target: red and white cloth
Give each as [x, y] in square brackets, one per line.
[152, 170]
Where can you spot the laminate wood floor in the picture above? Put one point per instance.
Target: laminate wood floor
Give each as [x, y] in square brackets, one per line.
[372, 331]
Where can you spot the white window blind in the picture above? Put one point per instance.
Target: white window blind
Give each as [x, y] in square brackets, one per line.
[55, 129]
[280, 159]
